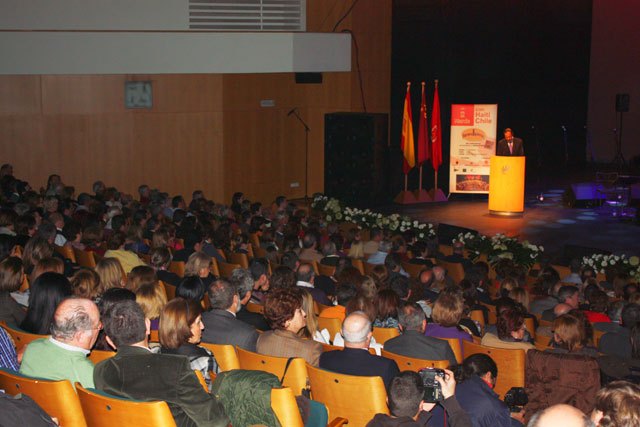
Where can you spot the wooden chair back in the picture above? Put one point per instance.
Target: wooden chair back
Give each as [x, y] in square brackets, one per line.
[546, 323]
[177, 267]
[296, 376]
[530, 324]
[102, 410]
[254, 239]
[413, 269]
[226, 269]
[454, 343]
[169, 290]
[326, 270]
[97, 356]
[368, 268]
[510, 364]
[224, 354]
[563, 271]
[255, 307]
[332, 325]
[66, 252]
[259, 252]
[25, 283]
[597, 334]
[20, 338]
[412, 364]
[57, 398]
[359, 264]
[382, 335]
[240, 259]
[477, 316]
[321, 307]
[201, 380]
[446, 250]
[214, 269]
[153, 336]
[85, 258]
[543, 341]
[338, 391]
[283, 403]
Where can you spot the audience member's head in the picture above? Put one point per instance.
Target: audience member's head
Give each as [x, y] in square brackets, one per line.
[282, 277]
[85, 283]
[569, 295]
[76, 322]
[151, 297]
[510, 325]
[223, 296]
[111, 274]
[191, 288]
[560, 415]
[448, 310]
[198, 264]
[480, 365]
[387, 303]
[345, 292]
[617, 405]
[45, 294]
[411, 317]
[305, 273]
[283, 309]
[125, 325]
[139, 276]
[259, 268]
[242, 281]
[356, 330]
[180, 323]
[405, 394]
[569, 332]
[11, 274]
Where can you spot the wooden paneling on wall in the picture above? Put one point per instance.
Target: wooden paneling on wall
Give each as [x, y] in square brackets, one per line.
[204, 131]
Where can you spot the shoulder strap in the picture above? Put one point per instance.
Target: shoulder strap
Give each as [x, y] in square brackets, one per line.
[286, 368]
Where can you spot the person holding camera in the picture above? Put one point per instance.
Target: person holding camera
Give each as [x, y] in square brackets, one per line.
[406, 399]
[476, 378]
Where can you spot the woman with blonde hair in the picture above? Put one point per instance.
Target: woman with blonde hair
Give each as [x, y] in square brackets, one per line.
[447, 313]
[571, 336]
[85, 284]
[50, 264]
[152, 298]
[37, 248]
[180, 332]
[111, 274]
[311, 328]
[11, 275]
[199, 264]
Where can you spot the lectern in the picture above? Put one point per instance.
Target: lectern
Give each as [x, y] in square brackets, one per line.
[506, 185]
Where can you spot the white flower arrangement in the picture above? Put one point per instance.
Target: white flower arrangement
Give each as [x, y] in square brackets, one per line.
[600, 262]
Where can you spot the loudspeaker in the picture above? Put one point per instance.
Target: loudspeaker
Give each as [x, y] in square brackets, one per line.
[356, 161]
[622, 103]
[308, 78]
[446, 233]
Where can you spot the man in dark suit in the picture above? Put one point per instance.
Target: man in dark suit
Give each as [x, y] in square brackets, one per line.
[413, 343]
[136, 373]
[305, 279]
[355, 359]
[619, 343]
[220, 323]
[509, 145]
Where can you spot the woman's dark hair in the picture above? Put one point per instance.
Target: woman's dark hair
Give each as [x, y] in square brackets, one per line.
[387, 303]
[282, 277]
[280, 306]
[476, 365]
[509, 321]
[46, 292]
[598, 301]
[191, 288]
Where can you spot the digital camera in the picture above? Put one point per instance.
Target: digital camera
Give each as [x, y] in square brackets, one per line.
[432, 388]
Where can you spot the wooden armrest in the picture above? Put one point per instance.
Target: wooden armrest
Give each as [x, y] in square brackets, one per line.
[338, 422]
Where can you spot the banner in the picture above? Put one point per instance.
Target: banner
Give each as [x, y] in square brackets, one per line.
[473, 142]
[406, 141]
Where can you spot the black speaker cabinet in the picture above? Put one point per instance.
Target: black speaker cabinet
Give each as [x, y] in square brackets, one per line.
[622, 103]
[356, 160]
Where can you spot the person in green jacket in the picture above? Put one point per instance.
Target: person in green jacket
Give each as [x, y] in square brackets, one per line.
[63, 356]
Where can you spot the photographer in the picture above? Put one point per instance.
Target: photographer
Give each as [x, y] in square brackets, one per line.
[476, 378]
[408, 409]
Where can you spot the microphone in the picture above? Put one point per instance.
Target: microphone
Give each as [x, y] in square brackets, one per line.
[292, 111]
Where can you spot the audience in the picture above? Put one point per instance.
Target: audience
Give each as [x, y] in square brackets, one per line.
[447, 312]
[45, 294]
[11, 276]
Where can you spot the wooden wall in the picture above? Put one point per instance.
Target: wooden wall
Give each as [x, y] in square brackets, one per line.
[204, 131]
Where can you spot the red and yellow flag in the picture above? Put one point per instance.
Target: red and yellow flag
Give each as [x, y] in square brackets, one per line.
[436, 132]
[406, 142]
[423, 132]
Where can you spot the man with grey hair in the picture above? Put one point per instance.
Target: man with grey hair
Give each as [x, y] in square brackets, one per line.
[355, 359]
[242, 281]
[383, 250]
[63, 356]
[220, 323]
[413, 342]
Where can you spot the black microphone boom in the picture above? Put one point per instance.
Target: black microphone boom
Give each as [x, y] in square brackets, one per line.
[292, 111]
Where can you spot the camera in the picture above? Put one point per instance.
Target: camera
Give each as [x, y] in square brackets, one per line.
[432, 388]
[516, 398]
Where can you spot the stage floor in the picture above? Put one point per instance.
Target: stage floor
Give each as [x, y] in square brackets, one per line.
[548, 223]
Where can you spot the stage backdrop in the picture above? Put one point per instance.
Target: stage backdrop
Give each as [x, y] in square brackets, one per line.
[473, 142]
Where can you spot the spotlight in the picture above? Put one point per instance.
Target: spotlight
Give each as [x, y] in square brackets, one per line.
[540, 197]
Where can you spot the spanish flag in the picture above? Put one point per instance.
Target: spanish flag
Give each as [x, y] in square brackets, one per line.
[406, 142]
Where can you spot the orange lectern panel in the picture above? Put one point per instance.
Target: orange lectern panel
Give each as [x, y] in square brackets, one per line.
[506, 185]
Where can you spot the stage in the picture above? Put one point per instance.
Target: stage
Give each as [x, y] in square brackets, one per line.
[546, 223]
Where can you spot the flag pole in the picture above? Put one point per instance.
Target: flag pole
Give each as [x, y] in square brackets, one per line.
[405, 197]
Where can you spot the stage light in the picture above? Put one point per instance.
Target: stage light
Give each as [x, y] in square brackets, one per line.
[540, 197]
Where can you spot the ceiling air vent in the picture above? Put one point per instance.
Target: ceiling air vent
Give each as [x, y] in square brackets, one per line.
[247, 15]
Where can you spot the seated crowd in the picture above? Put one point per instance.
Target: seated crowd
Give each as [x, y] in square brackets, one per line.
[301, 274]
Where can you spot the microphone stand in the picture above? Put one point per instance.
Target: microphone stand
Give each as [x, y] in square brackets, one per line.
[306, 154]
